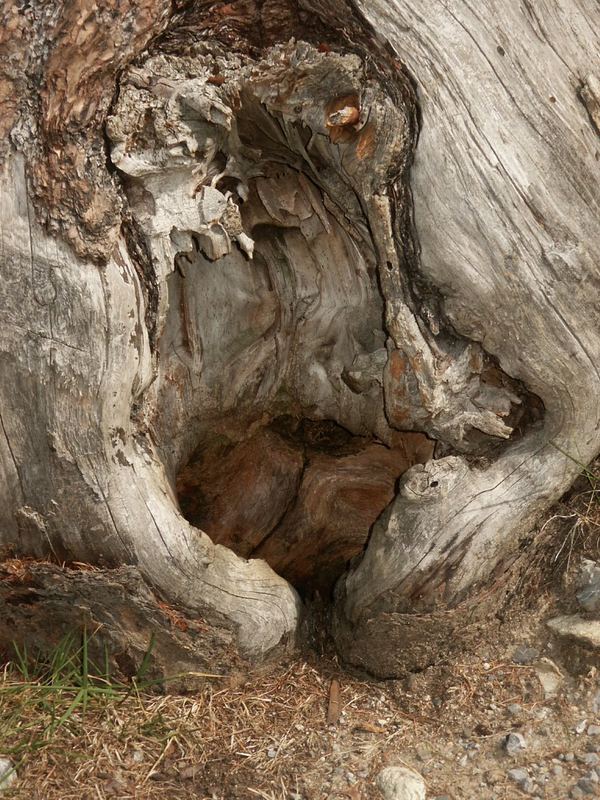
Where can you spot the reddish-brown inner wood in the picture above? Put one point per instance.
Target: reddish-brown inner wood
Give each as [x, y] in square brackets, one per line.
[302, 495]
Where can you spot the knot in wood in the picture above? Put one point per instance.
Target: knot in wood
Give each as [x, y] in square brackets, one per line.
[435, 479]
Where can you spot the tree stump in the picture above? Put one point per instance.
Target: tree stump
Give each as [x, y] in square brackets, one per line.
[295, 296]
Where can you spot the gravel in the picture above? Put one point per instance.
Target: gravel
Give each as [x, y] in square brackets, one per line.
[587, 786]
[581, 726]
[591, 759]
[518, 775]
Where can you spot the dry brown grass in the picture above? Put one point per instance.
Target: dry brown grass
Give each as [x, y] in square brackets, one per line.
[575, 523]
[262, 735]
[243, 736]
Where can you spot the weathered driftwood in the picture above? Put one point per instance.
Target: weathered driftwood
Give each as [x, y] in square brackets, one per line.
[302, 244]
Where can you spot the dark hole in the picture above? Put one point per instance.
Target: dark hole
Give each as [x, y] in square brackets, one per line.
[433, 484]
[27, 597]
[301, 494]
[126, 664]
[230, 184]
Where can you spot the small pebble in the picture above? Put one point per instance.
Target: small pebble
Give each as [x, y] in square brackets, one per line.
[581, 726]
[400, 783]
[591, 759]
[514, 709]
[525, 654]
[271, 753]
[569, 756]
[518, 775]
[593, 730]
[423, 752]
[8, 775]
[586, 786]
[514, 743]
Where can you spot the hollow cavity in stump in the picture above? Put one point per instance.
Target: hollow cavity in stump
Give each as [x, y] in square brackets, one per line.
[301, 370]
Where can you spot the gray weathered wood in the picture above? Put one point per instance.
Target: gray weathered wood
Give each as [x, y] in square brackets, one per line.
[392, 228]
[83, 481]
[506, 195]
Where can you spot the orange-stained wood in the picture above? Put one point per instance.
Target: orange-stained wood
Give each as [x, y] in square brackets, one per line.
[306, 507]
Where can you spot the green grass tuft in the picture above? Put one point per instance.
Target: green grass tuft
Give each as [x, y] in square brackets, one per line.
[44, 692]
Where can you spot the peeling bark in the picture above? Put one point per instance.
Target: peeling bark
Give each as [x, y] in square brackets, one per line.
[314, 274]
